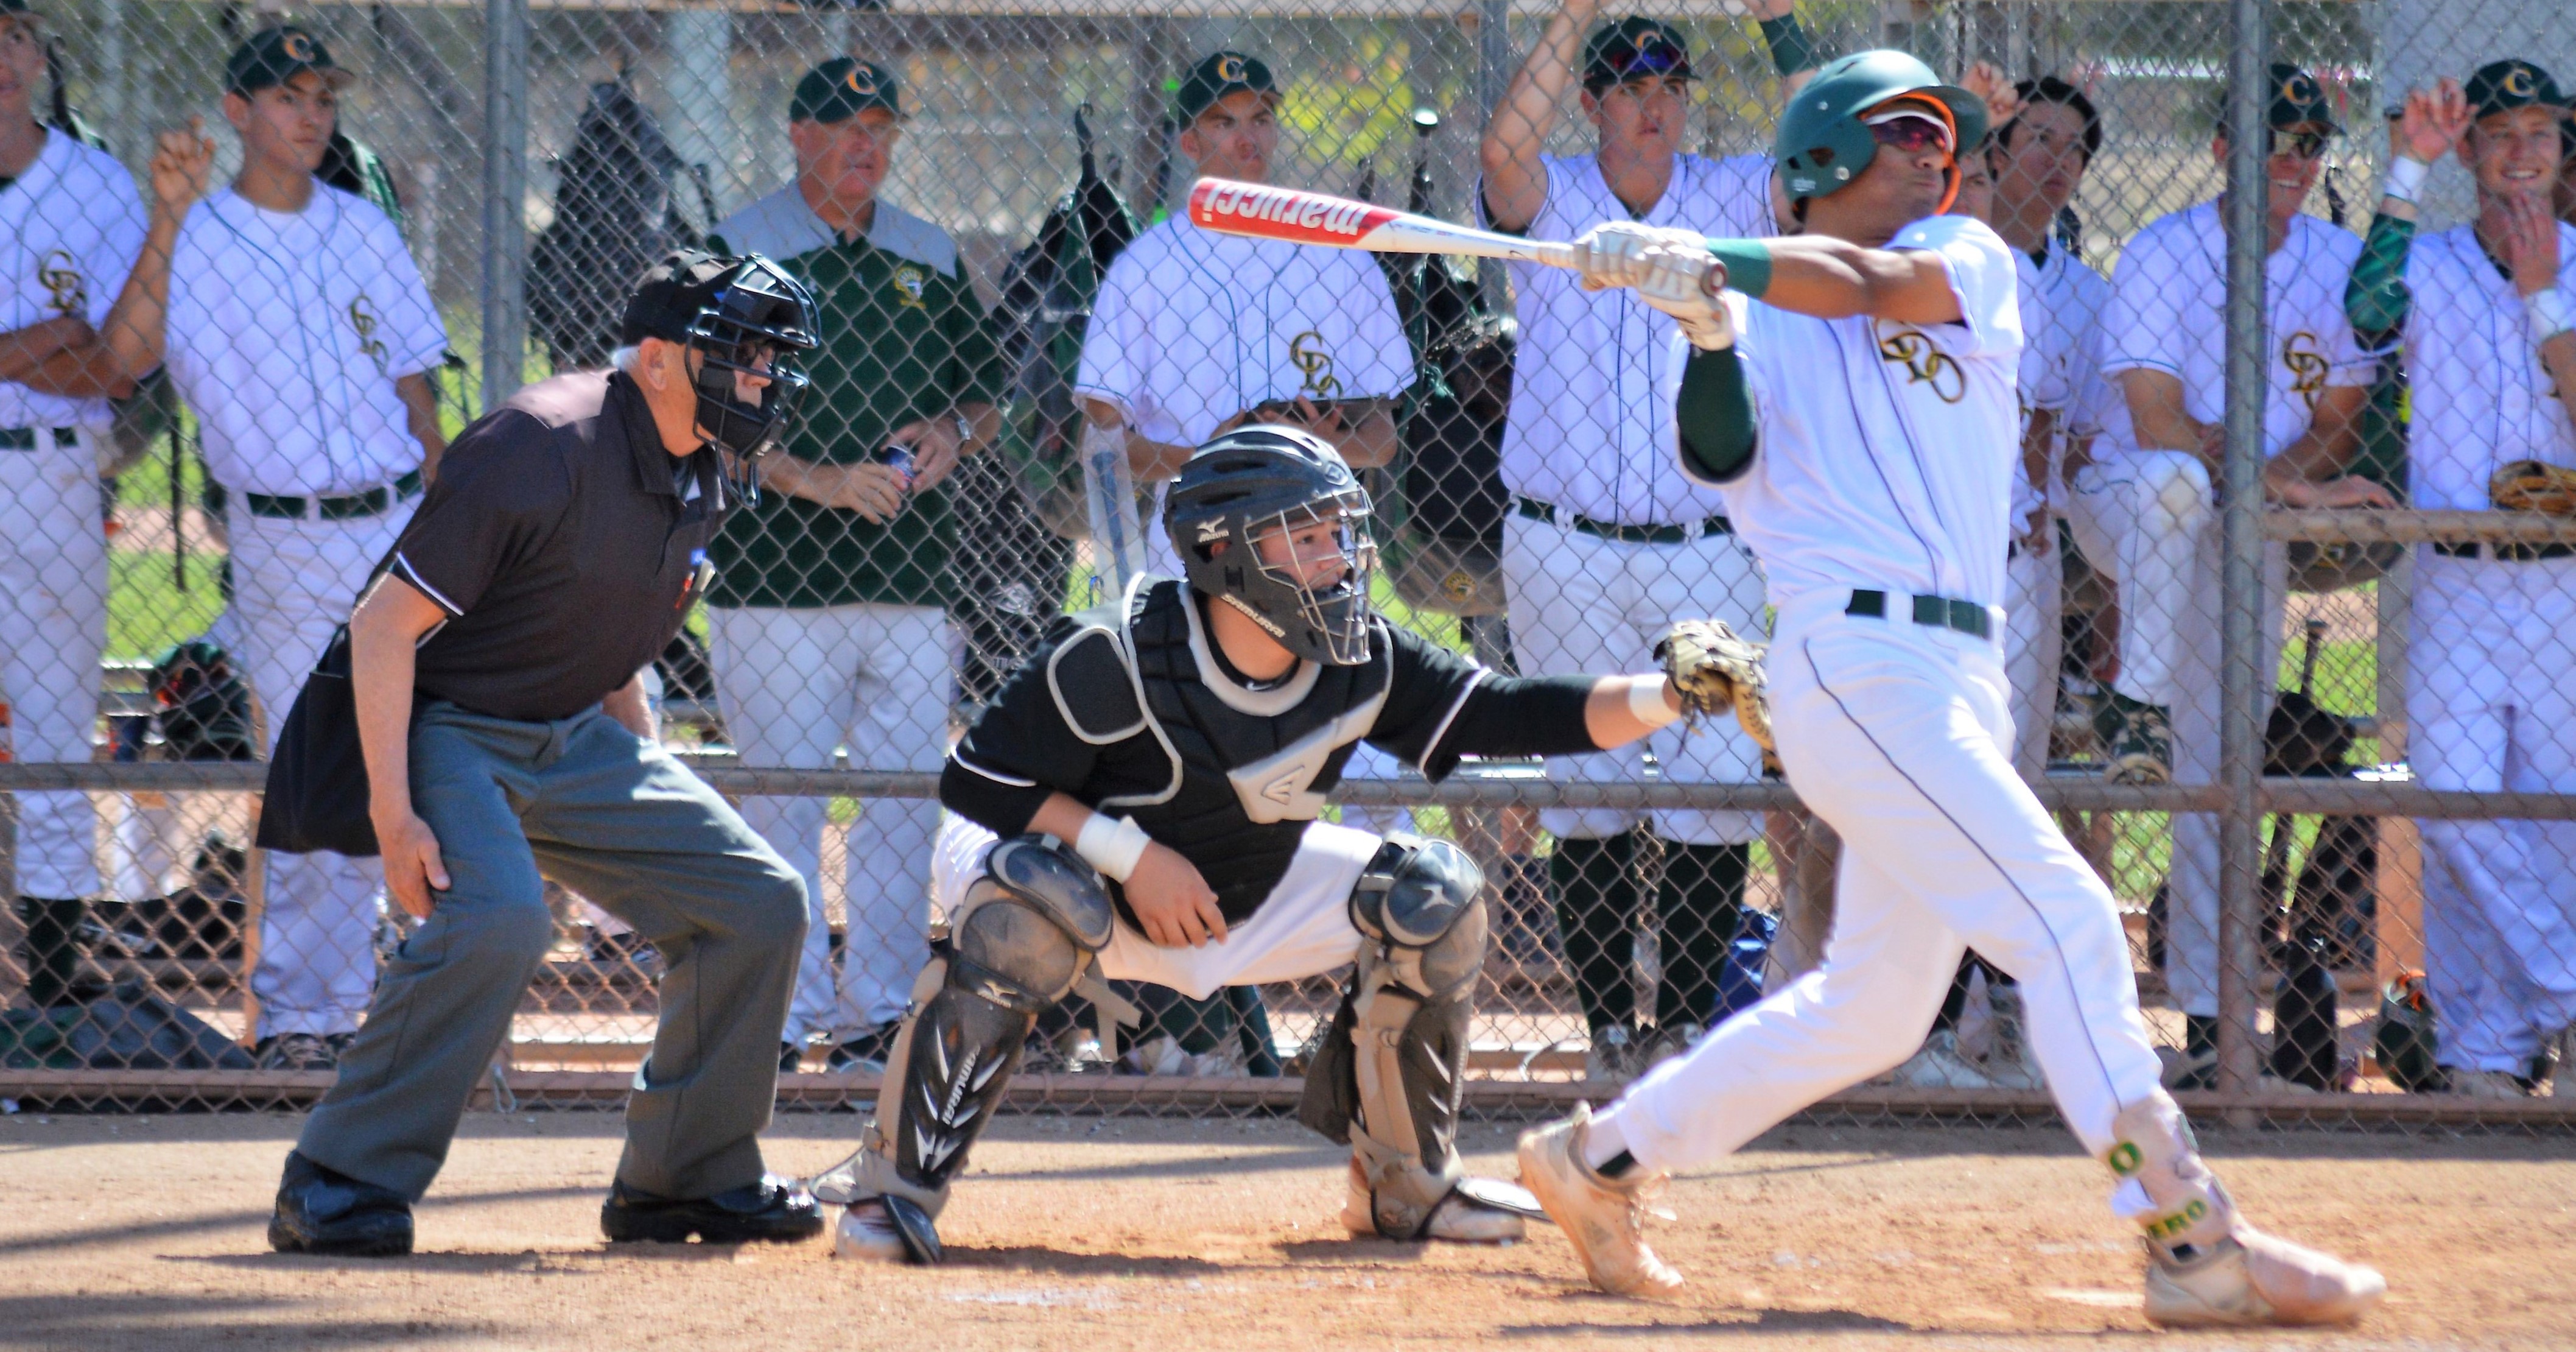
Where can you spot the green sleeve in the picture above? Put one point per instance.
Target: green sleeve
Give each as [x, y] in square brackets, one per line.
[1715, 413]
[2377, 299]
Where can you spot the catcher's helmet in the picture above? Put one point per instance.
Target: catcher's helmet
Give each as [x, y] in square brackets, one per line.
[1270, 481]
[1823, 141]
[734, 312]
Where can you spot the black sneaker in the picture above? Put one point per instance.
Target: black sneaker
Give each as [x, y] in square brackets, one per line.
[2137, 740]
[297, 1051]
[324, 1211]
[868, 1051]
[774, 1210]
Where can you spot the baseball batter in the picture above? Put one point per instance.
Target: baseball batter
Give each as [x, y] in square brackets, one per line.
[2487, 310]
[70, 225]
[298, 328]
[2165, 343]
[1606, 543]
[1868, 459]
[1180, 741]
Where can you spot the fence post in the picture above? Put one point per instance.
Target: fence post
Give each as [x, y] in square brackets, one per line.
[505, 180]
[2241, 685]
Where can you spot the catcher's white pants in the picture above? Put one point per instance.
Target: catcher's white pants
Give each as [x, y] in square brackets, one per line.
[293, 584]
[2034, 641]
[1895, 734]
[53, 625]
[2139, 517]
[794, 685]
[2191, 885]
[2490, 706]
[1579, 605]
[1303, 928]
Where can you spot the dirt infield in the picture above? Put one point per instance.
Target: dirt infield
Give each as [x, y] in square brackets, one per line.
[134, 1232]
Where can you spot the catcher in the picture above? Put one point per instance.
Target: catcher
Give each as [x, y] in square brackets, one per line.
[1141, 802]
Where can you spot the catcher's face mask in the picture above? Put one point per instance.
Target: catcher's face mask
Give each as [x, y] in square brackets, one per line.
[1320, 557]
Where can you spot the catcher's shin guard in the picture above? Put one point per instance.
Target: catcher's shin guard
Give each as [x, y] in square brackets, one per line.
[1393, 1066]
[2205, 1265]
[1021, 940]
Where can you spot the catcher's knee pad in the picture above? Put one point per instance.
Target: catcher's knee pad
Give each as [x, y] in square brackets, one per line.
[1393, 1066]
[1021, 940]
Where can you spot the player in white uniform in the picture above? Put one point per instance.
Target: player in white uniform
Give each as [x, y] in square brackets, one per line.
[2165, 343]
[2487, 310]
[1606, 544]
[70, 222]
[297, 327]
[1868, 459]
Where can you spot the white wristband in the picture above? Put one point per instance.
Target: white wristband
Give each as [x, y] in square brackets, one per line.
[2405, 179]
[1112, 844]
[2549, 314]
[1646, 703]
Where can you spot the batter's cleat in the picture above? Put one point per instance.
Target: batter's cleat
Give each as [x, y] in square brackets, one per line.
[1939, 1065]
[2137, 740]
[1480, 1211]
[2253, 1279]
[1603, 1218]
[772, 1210]
[323, 1211]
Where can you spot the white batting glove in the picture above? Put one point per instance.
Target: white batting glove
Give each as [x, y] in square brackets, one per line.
[1686, 282]
[1614, 253]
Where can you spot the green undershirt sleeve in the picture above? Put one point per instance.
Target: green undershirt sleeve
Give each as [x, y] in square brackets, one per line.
[2377, 299]
[1715, 414]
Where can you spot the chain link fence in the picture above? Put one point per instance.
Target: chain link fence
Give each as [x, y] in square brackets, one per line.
[2320, 753]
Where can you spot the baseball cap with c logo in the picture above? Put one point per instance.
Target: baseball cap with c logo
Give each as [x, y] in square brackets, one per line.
[841, 88]
[273, 56]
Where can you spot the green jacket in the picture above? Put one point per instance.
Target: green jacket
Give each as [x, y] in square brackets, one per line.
[904, 338]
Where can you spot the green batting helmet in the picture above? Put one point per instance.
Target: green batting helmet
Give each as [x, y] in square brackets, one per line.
[1823, 143]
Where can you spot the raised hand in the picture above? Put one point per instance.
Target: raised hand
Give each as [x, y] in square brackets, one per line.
[2003, 103]
[2432, 124]
[183, 164]
[2531, 240]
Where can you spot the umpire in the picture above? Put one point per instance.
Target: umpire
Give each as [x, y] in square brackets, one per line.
[495, 666]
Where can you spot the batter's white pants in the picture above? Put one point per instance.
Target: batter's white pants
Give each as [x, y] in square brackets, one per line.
[1895, 735]
[1302, 929]
[1582, 605]
[2191, 884]
[294, 583]
[795, 684]
[2491, 705]
[2034, 641]
[53, 625]
[2140, 516]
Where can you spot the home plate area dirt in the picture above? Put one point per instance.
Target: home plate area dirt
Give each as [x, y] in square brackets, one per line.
[1084, 1232]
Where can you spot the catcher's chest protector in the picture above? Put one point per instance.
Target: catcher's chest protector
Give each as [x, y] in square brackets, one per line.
[1249, 768]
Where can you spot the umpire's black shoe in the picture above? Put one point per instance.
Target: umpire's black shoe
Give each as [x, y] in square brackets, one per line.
[324, 1211]
[773, 1209]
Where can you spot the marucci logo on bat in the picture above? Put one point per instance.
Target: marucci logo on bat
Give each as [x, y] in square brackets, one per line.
[1283, 206]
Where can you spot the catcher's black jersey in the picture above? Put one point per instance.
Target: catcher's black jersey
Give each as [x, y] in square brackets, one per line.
[1129, 710]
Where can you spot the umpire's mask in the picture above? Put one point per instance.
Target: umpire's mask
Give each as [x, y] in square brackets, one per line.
[1294, 521]
[741, 316]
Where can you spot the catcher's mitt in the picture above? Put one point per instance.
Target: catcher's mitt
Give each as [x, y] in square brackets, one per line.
[1715, 670]
[2530, 486]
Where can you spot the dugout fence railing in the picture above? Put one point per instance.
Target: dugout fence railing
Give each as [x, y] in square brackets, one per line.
[2387, 924]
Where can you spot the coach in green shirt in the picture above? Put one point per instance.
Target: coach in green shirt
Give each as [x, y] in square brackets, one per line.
[827, 618]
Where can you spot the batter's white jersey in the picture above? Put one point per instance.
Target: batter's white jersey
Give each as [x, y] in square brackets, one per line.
[2480, 396]
[287, 332]
[1591, 424]
[2168, 313]
[1191, 328]
[1887, 449]
[70, 228]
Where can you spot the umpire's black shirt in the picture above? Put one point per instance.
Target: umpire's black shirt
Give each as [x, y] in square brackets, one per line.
[565, 545]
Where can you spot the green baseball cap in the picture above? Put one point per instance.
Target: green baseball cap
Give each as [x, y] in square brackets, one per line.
[2502, 86]
[1217, 75]
[273, 56]
[1633, 48]
[842, 88]
[2297, 98]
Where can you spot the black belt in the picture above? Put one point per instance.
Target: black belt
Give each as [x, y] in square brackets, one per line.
[2507, 553]
[26, 438]
[1536, 510]
[373, 502]
[1941, 611]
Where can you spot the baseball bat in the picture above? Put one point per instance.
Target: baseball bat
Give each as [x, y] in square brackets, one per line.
[1260, 211]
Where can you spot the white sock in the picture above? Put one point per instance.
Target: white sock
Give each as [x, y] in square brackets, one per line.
[1603, 1140]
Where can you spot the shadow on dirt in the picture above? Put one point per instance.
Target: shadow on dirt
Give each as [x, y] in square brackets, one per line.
[141, 1320]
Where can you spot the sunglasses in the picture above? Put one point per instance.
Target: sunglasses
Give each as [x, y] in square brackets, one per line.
[1911, 134]
[2306, 145]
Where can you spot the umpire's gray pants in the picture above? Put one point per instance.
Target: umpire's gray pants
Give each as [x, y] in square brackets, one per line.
[614, 818]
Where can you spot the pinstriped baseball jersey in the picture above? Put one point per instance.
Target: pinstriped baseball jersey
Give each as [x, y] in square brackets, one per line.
[2062, 303]
[2480, 394]
[69, 230]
